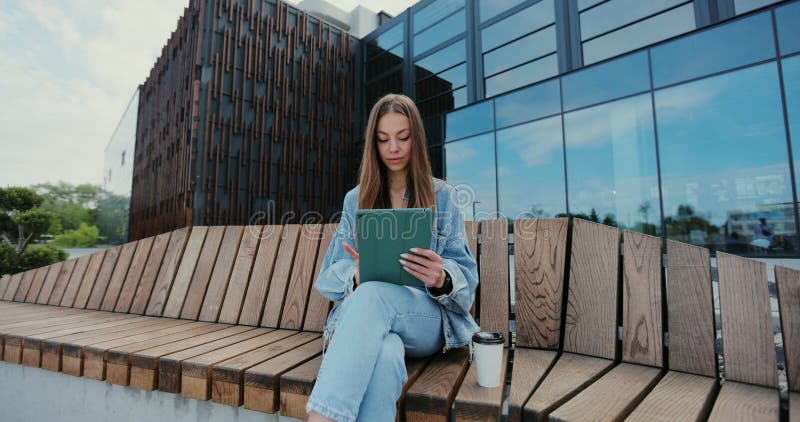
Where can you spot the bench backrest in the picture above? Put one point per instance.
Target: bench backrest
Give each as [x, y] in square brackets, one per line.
[788, 284]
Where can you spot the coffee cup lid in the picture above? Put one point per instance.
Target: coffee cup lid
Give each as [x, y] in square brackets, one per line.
[485, 337]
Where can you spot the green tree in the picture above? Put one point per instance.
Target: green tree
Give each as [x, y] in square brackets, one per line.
[23, 217]
[70, 204]
[84, 237]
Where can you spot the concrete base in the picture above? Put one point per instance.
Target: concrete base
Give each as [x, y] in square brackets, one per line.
[33, 394]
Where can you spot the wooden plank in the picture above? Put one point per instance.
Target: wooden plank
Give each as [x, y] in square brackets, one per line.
[167, 273]
[540, 247]
[118, 277]
[227, 377]
[476, 403]
[150, 273]
[641, 300]
[280, 277]
[434, 391]
[260, 277]
[228, 251]
[62, 281]
[530, 366]
[75, 280]
[103, 278]
[196, 373]
[294, 309]
[131, 283]
[24, 285]
[4, 284]
[262, 382]
[119, 359]
[240, 276]
[745, 402]
[570, 374]
[13, 284]
[747, 339]
[28, 316]
[794, 407]
[36, 285]
[144, 363]
[494, 275]
[471, 228]
[183, 277]
[202, 273]
[49, 283]
[591, 319]
[678, 396]
[788, 283]
[318, 305]
[690, 307]
[296, 386]
[612, 397]
[170, 367]
[89, 279]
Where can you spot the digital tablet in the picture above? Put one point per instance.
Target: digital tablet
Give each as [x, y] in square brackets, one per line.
[384, 234]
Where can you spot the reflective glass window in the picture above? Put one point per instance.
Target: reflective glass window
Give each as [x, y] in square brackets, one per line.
[788, 21]
[649, 31]
[443, 103]
[440, 32]
[434, 12]
[470, 169]
[611, 164]
[528, 104]
[531, 152]
[443, 82]
[392, 83]
[523, 75]
[442, 59]
[385, 41]
[616, 13]
[491, 8]
[724, 163]
[624, 76]
[385, 61]
[744, 6]
[585, 4]
[471, 120]
[527, 20]
[532, 46]
[791, 86]
[734, 44]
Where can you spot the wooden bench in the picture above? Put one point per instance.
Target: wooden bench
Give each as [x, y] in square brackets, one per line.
[606, 325]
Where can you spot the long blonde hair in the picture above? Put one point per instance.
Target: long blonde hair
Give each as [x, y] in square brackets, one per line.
[373, 176]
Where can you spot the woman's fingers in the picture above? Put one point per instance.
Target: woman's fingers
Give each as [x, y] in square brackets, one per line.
[350, 251]
[429, 281]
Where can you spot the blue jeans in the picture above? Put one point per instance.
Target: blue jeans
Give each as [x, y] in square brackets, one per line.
[363, 370]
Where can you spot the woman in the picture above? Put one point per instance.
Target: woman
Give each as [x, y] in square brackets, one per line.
[377, 324]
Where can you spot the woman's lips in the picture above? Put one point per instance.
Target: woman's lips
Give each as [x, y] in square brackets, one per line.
[395, 160]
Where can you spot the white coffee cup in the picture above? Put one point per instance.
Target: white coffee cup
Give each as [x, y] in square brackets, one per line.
[487, 349]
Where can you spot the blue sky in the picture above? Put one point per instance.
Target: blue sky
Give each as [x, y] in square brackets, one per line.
[69, 68]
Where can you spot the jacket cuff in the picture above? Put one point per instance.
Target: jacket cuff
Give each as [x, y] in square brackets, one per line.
[446, 288]
[458, 282]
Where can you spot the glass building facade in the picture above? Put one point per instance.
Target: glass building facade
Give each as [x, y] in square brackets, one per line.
[673, 118]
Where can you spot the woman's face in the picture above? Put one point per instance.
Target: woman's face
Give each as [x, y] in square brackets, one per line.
[394, 141]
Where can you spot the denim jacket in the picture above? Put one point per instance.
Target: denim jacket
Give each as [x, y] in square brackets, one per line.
[335, 280]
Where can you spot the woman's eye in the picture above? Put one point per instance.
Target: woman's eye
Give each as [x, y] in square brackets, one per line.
[405, 139]
[383, 140]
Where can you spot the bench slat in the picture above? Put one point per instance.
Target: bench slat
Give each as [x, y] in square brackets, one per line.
[788, 283]
[611, 397]
[240, 275]
[227, 377]
[89, 279]
[794, 407]
[134, 276]
[530, 366]
[202, 272]
[62, 281]
[319, 306]
[118, 276]
[748, 344]
[494, 306]
[49, 283]
[173, 258]
[677, 397]
[24, 285]
[260, 277]
[228, 251]
[103, 278]
[539, 255]
[471, 228]
[75, 280]
[13, 284]
[145, 363]
[591, 319]
[280, 277]
[432, 394]
[294, 308]
[690, 310]
[745, 402]
[570, 374]
[36, 285]
[295, 387]
[476, 403]
[4, 284]
[641, 300]
[149, 274]
[183, 277]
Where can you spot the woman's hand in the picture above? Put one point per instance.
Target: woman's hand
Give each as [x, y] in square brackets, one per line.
[353, 254]
[426, 265]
